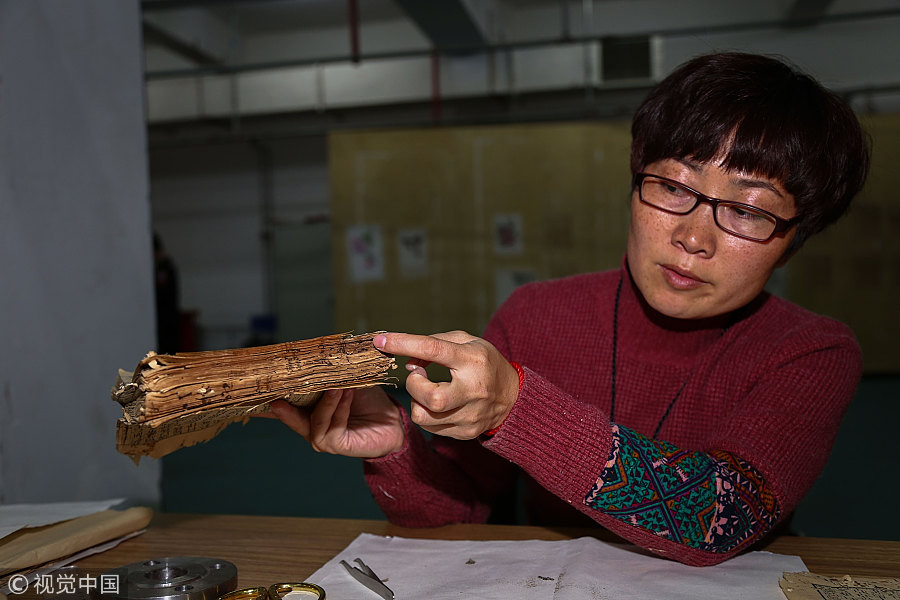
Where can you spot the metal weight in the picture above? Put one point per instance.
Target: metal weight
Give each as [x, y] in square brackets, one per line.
[174, 578]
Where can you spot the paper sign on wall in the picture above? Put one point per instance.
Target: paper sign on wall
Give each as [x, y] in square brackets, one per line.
[507, 280]
[364, 251]
[508, 238]
[412, 251]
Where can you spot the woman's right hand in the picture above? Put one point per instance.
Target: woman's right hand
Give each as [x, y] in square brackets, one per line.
[361, 422]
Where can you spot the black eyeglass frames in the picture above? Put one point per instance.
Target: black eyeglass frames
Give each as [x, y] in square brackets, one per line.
[736, 218]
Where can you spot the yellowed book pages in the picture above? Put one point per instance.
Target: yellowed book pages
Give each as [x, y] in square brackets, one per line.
[34, 546]
[809, 586]
[173, 401]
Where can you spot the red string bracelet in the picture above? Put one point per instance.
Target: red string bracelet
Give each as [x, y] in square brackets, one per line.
[518, 368]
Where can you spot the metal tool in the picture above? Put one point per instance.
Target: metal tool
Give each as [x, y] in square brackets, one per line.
[173, 578]
[368, 578]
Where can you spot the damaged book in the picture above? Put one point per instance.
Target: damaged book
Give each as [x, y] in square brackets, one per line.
[175, 400]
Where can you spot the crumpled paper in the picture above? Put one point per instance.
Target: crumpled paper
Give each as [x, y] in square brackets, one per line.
[582, 568]
[32, 547]
[18, 516]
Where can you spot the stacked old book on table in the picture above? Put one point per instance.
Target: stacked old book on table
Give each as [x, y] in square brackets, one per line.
[172, 401]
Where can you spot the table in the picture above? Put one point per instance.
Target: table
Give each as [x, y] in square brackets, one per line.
[269, 549]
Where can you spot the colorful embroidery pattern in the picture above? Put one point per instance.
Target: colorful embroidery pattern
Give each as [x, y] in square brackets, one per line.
[711, 502]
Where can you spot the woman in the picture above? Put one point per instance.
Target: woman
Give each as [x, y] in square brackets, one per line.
[672, 401]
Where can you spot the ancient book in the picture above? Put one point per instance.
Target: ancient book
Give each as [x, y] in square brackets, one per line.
[171, 401]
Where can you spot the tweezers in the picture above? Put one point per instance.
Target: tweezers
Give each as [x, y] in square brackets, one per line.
[368, 578]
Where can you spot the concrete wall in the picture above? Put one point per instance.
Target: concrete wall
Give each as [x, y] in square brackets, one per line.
[234, 217]
[76, 297]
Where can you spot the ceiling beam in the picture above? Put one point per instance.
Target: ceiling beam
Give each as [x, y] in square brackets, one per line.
[194, 33]
[450, 24]
[807, 12]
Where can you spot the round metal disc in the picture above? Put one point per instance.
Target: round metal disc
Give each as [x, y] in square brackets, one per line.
[174, 578]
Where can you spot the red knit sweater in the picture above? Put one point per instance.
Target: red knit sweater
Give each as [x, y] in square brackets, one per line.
[747, 409]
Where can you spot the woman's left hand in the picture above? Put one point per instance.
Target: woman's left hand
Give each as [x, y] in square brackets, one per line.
[480, 394]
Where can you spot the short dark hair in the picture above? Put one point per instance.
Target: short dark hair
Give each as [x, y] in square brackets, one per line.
[765, 117]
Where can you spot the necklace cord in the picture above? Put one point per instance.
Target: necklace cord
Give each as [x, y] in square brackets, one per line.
[671, 404]
[615, 342]
[612, 396]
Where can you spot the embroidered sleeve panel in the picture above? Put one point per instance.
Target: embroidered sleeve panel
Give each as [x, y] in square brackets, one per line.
[709, 501]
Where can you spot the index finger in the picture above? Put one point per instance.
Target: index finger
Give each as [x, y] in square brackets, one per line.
[430, 348]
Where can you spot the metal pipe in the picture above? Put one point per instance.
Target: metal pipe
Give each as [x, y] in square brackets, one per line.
[587, 10]
[353, 18]
[564, 19]
[435, 87]
[518, 116]
[267, 215]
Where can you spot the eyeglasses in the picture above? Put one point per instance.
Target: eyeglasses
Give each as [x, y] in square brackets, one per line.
[736, 218]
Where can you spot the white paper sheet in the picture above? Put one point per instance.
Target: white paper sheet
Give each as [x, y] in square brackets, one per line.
[18, 516]
[583, 568]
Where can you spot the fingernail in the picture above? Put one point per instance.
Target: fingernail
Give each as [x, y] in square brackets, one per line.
[379, 341]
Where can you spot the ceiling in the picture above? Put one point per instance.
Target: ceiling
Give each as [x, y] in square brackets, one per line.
[329, 55]
[457, 24]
